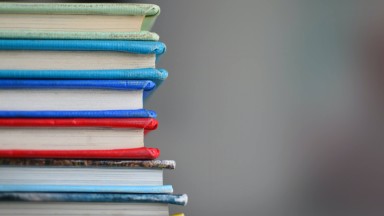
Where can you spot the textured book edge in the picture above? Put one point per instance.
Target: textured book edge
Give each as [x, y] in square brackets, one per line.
[176, 199]
[150, 164]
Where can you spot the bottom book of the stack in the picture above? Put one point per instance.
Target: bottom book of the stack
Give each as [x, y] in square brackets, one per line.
[85, 187]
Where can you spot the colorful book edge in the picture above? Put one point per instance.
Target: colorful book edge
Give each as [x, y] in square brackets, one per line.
[175, 199]
[80, 163]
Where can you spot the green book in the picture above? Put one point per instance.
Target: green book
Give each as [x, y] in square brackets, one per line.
[113, 21]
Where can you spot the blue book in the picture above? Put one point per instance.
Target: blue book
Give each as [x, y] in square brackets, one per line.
[176, 199]
[155, 75]
[137, 47]
[81, 59]
[74, 98]
[139, 113]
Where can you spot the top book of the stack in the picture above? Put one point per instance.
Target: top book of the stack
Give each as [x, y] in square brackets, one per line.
[111, 21]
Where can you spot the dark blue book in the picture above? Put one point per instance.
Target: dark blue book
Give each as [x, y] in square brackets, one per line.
[74, 98]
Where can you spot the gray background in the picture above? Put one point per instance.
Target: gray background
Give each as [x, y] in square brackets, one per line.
[246, 80]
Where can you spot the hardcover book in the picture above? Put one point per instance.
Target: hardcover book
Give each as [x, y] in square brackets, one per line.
[76, 138]
[66, 175]
[155, 75]
[78, 21]
[52, 55]
[97, 204]
[73, 95]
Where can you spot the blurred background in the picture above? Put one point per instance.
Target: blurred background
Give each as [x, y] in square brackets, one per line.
[272, 107]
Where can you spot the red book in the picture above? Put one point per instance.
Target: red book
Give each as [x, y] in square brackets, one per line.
[121, 138]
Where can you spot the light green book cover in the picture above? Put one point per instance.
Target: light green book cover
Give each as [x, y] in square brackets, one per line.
[148, 11]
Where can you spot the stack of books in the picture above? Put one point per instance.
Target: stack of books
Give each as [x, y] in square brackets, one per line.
[73, 80]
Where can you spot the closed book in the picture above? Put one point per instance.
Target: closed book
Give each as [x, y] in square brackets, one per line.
[79, 175]
[96, 204]
[76, 138]
[73, 95]
[53, 55]
[155, 75]
[78, 20]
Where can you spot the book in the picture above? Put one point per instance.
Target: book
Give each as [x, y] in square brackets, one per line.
[64, 204]
[139, 113]
[16, 54]
[66, 175]
[78, 21]
[155, 75]
[73, 136]
[135, 153]
[73, 95]
[176, 199]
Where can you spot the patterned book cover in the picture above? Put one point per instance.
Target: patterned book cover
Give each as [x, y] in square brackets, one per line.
[149, 11]
[39, 162]
[176, 199]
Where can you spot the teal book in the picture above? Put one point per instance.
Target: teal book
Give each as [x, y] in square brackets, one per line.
[112, 21]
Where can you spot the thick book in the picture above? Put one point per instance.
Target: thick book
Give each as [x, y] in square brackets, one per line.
[96, 204]
[76, 138]
[66, 175]
[73, 95]
[78, 21]
[52, 55]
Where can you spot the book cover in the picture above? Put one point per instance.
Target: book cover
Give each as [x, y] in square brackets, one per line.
[176, 199]
[144, 123]
[139, 113]
[155, 75]
[143, 153]
[136, 47]
[150, 12]
[80, 163]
